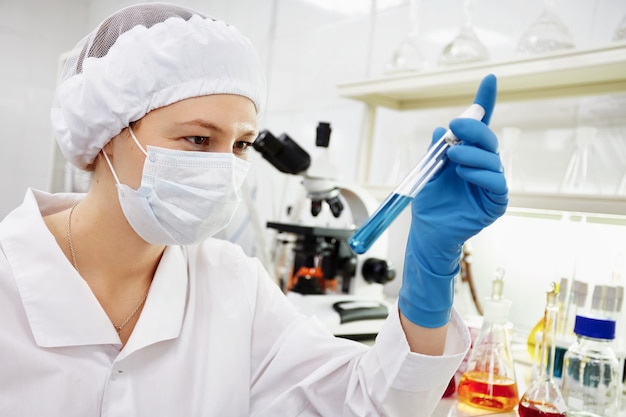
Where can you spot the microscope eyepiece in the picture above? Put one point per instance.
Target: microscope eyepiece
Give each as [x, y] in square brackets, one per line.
[282, 152]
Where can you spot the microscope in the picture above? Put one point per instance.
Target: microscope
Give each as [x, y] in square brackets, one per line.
[322, 276]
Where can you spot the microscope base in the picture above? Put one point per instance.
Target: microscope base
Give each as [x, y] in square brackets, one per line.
[345, 315]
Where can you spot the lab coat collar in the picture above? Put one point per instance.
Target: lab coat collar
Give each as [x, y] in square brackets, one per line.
[60, 307]
[162, 315]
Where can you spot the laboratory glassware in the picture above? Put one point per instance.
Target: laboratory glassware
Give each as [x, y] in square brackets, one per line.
[577, 178]
[620, 30]
[591, 377]
[465, 47]
[604, 301]
[407, 56]
[543, 398]
[577, 300]
[489, 381]
[409, 187]
[510, 138]
[561, 303]
[621, 188]
[546, 34]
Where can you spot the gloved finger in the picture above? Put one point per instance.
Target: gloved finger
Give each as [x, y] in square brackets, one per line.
[486, 96]
[475, 158]
[437, 134]
[491, 181]
[473, 132]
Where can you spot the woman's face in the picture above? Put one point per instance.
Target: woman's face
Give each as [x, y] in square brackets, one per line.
[214, 123]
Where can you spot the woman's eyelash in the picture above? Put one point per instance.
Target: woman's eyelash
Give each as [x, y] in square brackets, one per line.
[242, 145]
[197, 140]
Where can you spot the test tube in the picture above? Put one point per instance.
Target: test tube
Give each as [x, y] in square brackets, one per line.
[409, 187]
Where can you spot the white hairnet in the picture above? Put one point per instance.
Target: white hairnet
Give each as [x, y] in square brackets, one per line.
[141, 58]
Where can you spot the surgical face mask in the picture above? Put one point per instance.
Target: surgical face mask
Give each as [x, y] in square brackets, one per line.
[185, 197]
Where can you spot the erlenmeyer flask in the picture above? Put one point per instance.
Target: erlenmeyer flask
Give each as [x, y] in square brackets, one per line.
[543, 397]
[547, 33]
[465, 47]
[577, 178]
[407, 56]
[489, 381]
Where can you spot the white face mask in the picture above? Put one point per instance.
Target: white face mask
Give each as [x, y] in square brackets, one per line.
[185, 197]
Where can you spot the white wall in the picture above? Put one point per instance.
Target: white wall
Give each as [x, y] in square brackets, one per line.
[308, 49]
[33, 34]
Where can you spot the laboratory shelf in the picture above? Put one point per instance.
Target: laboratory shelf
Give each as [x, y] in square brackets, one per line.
[575, 72]
[575, 203]
[580, 203]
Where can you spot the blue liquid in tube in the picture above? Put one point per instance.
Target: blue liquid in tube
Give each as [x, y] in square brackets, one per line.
[408, 188]
[371, 230]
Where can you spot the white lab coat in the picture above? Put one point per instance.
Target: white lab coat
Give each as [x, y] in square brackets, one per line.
[216, 337]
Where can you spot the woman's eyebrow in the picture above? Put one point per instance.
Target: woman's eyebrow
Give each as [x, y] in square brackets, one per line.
[202, 123]
[211, 126]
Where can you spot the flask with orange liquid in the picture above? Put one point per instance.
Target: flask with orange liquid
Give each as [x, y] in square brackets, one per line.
[489, 381]
[543, 397]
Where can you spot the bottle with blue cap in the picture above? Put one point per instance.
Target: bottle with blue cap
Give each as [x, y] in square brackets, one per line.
[591, 379]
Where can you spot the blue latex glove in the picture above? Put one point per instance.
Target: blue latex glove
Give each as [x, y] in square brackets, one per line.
[467, 195]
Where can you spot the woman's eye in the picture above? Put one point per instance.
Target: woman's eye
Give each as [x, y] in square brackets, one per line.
[198, 140]
[242, 146]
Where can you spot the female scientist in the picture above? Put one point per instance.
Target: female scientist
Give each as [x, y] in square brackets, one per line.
[119, 302]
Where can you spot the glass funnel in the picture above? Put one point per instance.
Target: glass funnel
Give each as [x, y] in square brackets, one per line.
[407, 56]
[465, 47]
[543, 397]
[546, 34]
[489, 381]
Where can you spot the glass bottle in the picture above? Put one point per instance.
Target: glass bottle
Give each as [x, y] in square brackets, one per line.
[591, 384]
[489, 381]
[577, 300]
[543, 397]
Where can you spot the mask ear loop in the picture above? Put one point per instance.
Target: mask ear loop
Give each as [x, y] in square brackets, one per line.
[117, 180]
[132, 134]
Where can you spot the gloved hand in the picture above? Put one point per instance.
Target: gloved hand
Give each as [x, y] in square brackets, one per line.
[468, 194]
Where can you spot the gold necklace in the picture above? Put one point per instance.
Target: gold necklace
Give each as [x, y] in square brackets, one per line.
[69, 241]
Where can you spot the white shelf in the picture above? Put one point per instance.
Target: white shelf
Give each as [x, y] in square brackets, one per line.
[612, 205]
[572, 73]
[577, 203]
